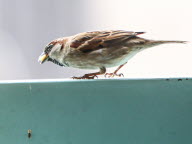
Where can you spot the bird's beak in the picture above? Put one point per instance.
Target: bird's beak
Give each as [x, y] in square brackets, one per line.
[42, 58]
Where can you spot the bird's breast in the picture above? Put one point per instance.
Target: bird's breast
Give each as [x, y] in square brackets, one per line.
[100, 58]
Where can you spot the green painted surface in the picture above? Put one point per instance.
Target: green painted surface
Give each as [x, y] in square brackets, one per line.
[147, 111]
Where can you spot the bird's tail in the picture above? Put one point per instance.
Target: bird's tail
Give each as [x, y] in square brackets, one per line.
[151, 43]
[171, 41]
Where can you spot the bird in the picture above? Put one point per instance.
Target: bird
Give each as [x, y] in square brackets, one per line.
[98, 50]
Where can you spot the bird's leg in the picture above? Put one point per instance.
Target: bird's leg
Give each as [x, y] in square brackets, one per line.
[115, 72]
[92, 75]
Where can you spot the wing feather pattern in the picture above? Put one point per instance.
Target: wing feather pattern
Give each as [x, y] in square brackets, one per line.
[91, 41]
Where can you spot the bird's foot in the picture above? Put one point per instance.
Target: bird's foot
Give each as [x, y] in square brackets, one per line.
[86, 76]
[111, 75]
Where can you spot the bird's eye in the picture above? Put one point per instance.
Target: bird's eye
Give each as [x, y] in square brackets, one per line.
[48, 48]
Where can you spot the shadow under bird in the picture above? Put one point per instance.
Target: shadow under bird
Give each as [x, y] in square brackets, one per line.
[97, 50]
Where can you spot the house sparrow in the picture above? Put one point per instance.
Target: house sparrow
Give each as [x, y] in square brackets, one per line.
[97, 50]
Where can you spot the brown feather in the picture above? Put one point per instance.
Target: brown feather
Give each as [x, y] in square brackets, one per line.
[91, 41]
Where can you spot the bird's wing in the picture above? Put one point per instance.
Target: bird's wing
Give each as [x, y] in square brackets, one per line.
[91, 41]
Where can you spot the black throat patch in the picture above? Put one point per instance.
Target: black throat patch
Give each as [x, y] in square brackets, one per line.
[57, 63]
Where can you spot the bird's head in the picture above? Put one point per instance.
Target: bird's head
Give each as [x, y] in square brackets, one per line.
[52, 52]
[45, 55]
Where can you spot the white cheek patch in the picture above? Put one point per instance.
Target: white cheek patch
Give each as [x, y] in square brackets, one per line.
[55, 51]
[57, 47]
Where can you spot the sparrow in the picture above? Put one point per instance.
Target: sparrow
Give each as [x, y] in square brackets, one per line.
[97, 50]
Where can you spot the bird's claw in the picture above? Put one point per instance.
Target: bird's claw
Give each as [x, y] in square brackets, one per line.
[86, 77]
[111, 75]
